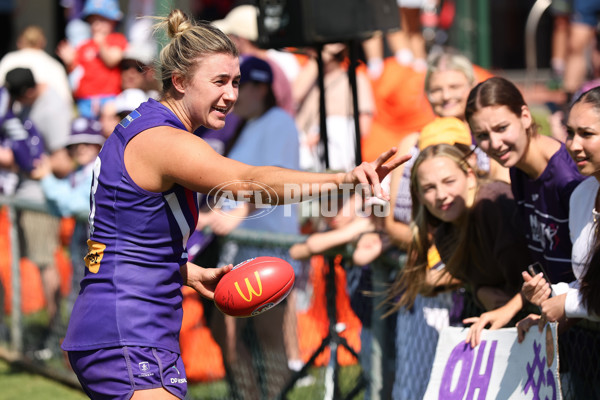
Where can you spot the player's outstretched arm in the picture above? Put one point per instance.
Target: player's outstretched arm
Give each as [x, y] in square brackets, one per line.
[293, 186]
[160, 157]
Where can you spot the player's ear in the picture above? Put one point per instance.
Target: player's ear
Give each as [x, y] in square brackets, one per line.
[179, 82]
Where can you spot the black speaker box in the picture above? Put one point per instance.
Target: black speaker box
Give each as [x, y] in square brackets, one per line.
[283, 23]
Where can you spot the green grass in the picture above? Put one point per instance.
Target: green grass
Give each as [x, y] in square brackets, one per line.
[348, 379]
[17, 384]
[205, 391]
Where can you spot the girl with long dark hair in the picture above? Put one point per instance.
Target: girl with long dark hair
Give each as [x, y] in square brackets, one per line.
[542, 175]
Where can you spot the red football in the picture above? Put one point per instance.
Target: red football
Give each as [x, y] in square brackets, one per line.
[254, 286]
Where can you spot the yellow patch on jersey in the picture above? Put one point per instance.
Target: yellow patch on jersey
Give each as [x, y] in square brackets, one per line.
[94, 255]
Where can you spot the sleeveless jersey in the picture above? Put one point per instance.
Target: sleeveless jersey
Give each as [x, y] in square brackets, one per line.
[543, 205]
[131, 292]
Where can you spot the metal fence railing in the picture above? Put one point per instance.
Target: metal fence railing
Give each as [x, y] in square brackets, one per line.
[346, 357]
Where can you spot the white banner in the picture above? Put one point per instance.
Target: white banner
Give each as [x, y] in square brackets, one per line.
[499, 368]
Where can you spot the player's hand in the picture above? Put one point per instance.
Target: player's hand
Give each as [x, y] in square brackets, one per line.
[203, 280]
[370, 174]
[496, 319]
[553, 309]
[526, 323]
[535, 289]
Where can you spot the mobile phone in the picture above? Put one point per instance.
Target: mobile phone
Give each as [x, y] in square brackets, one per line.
[535, 269]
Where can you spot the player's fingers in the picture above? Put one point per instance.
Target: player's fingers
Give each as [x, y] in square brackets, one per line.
[217, 273]
[378, 192]
[225, 269]
[383, 157]
[384, 170]
[360, 176]
[396, 162]
[372, 179]
[367, 180]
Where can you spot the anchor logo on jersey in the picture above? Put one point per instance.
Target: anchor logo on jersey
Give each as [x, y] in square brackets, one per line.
[94, 255]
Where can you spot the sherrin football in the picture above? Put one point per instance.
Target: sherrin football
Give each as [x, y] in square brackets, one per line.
[254, 286]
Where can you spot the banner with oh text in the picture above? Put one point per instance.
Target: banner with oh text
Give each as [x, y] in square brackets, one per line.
[499, 368]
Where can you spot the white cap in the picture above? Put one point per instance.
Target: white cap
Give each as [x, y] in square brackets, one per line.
[129, 99]
[240, 21]
[140, 52]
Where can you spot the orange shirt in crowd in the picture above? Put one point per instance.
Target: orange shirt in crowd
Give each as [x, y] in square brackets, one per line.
[401, 108]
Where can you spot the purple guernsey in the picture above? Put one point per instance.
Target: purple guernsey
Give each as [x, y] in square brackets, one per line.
[544, 206]
[131, 292]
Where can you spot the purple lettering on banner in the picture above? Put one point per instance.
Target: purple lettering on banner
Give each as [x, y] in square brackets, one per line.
[538, 364]
[463, 354]
[551, 382]
[482, 381]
